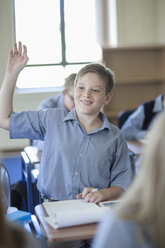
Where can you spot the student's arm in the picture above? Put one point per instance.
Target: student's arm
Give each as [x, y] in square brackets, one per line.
[111, 193]
[16, 62]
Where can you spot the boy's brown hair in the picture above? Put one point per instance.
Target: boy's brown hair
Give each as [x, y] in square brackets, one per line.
[104, 73]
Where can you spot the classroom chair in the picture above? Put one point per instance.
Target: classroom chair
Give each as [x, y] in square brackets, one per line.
[5, 183]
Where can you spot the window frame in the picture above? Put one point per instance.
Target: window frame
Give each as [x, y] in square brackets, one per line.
[63, 62]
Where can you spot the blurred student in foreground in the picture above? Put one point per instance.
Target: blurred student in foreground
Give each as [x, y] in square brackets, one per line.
[139, 220]
[63, 100]
[14, 236]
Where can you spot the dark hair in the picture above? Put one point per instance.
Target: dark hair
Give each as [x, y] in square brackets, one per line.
[105, 73]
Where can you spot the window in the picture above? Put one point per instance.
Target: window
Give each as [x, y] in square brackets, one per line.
[60, 36]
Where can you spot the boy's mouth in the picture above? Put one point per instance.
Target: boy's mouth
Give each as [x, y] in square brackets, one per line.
[85, 102]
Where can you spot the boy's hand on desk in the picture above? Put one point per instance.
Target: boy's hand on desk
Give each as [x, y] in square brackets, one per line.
[90, 194]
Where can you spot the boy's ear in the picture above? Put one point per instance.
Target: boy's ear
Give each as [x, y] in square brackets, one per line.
[108, 98]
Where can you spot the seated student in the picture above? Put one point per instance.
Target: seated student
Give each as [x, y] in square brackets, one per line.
[63, 100]
[138, 122]
[14, 236]
[82, 149]
[139, 220]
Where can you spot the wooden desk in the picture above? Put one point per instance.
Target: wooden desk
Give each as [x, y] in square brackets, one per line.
[135, 146]
[64, 234]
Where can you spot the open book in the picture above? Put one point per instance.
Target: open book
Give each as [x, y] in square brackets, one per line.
[72, 213]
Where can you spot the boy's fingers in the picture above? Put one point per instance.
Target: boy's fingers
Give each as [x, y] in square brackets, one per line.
[15, 48]
[79, 196]
[93, 197]
[86, 191]
[98, 199]
[24, 50]
[11, 52]
[20, 47]
[25, 53]
[88, 197]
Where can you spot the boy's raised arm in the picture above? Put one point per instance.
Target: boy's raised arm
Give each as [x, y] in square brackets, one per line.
[17, 60]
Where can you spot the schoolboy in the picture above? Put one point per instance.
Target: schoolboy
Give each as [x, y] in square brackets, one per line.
[83, 150]
[62, 100]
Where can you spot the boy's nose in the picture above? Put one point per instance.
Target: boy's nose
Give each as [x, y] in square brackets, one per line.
[87, 93]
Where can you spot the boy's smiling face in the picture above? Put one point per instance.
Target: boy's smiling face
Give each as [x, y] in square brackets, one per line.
[90, 94]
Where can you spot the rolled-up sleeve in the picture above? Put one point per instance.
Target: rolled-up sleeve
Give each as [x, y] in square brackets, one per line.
[28, 125]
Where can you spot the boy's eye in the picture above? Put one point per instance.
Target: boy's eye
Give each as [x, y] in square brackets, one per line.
[94, 90]
[81, 87]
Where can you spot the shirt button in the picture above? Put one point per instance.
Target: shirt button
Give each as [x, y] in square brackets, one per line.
[80, 154]
[76, 173]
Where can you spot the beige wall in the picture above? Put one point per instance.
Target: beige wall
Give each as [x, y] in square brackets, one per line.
[161, 21]
[139, 22]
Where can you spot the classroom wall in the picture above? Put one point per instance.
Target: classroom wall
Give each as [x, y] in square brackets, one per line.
[139, 22]
[161, 21]
[139, 75]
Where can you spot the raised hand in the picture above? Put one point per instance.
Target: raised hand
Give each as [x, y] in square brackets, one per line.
[16, 62]
[17, 59]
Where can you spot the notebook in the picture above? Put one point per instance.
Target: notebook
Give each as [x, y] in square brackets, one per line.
[72, 212]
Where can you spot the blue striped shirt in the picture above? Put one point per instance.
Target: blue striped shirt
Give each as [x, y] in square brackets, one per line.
[73, 159]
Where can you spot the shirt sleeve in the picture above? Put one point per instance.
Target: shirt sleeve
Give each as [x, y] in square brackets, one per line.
[132, 128]
[28, 125]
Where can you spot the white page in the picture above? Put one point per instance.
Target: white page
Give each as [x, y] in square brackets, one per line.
[68, 205]
[72, 212]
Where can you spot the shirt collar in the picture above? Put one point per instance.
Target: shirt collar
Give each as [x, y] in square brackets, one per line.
[106, 123]
[72, 116]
